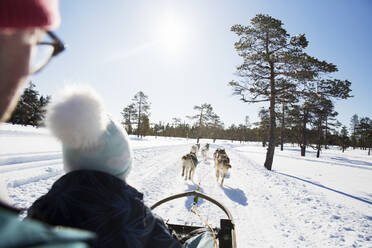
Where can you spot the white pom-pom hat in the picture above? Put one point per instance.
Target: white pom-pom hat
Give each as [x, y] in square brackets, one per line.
[90, 139]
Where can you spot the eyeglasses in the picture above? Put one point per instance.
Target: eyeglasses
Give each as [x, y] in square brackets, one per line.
[44, 51]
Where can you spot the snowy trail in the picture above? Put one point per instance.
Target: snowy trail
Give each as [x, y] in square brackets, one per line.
[240, 194]
[251, 189]
[270, 209]
[284, 204]
[29, 176]
[9, 159]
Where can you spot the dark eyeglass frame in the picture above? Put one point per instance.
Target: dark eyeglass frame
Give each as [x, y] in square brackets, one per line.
[58, 47]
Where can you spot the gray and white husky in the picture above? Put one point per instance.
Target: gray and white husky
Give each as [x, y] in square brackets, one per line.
[221, 163]
[189, 162]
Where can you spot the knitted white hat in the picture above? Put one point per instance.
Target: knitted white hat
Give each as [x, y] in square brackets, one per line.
[90, 139]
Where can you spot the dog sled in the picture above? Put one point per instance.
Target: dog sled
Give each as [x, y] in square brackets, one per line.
[223, 236]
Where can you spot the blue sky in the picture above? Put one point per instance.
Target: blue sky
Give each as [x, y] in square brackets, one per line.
[181, 53]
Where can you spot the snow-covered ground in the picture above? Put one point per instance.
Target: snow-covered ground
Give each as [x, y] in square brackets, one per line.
[302, 202]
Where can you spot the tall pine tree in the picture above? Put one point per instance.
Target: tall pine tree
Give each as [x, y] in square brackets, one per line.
[203, 116]
[270, 57]
[142, 107]
[275, 66]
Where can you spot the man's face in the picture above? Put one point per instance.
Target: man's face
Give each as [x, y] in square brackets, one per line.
[15, 56]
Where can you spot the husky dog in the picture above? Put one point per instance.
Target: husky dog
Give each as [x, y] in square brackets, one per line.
[204, 152]
[198, 145]
[221, 163]
[218, 152]
[194, 149]
[189, 162]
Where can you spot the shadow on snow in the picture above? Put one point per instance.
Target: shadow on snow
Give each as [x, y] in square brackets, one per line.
[236, 195]
[352, 161]
[207, 162]
[325, 187]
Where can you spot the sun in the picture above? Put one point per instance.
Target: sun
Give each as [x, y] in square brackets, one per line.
[172, 33]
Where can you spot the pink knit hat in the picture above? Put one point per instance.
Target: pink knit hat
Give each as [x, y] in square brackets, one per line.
[21, 14]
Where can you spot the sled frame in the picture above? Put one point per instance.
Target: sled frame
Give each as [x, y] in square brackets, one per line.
[227, 225]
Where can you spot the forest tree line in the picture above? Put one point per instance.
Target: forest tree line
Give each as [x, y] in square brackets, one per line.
[289, 126]
[206, 124]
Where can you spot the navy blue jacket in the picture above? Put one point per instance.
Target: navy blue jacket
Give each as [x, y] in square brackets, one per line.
[106, 205]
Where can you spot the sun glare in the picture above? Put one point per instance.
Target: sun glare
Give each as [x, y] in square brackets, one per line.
[172, 34]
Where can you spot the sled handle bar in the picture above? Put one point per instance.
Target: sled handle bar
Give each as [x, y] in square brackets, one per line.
[195, 193]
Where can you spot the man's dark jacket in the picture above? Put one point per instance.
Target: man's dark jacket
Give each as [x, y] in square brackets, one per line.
[106, 205]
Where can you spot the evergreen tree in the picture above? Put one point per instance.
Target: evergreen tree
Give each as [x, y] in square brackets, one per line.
[158, 129]
[43, 102]
[323, 110]
[281, 114]
[216, 125]
[364, 129]
[129, 114]
[176, 126]
[275, 67]
[329, 124]
[299, 117]
[232, 132]
[344, 140]
[269, 55]
[264, 125]
[142, 106]
[30, 109]
[145, 125]
[203, 116]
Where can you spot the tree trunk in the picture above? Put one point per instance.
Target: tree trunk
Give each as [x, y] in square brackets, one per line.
[319, 145]
[303, 150]
[326, 134]
[304, 138]
[270, 150]
[139, 119]
[271, 147]
[282, 130]
[369, 151]
[200, 126]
